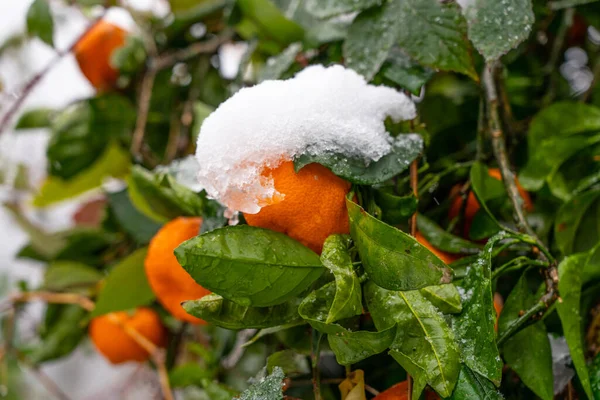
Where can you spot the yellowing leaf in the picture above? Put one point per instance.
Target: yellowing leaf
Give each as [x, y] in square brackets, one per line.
[353, 387]
[114, 162]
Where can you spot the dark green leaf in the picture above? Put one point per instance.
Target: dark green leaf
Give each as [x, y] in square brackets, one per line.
[269, 388]
[528, 352]
[370, 38]
[40, 22]
[392, 258]
[434, 33]
[395, 209]
[292, 363]
[591, 269]
[555, 134]
[35, 118]
[276, 66]
[595, 376]
[85, 245]
[351, 347]
[471, 385]
[569, 312]
[440, 239]
[61, 275]
[474, 327]
[330, 8]
[403, 71]
[130, 57]
[575, 228]
[63, 336]
[126, 286]
[250, 266]
[495, 27]
[162, 194]
[348, 295]
[271, 22]
[445, 297]
[269, 331]
[132, 221]
[316, 307]
[405, 149]
[485, 189]
[189, 374]
[224, 313]
[424, 344]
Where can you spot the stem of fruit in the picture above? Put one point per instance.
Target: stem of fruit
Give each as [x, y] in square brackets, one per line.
[517, 263]
[414, 184]
[37, 78]
[500, 153]
[314, 356]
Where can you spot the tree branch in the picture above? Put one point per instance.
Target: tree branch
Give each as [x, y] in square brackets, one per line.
[314, 356]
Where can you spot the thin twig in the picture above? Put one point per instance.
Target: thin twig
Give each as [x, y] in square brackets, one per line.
[33, 82]
[481, 129]
[44, 379]
[414, 185]
[142, 114]
[371, 390]
[522, 321]
[56, 298]
[314, 356]
[557, 46]
[157, 354]
[238, 348]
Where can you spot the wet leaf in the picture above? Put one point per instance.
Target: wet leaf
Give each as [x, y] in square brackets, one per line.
[250, 266]
[35, 118]
[405, 149]
[445, 297]
[595, 376]
[348, 294]
[393, 259]
[40, 22]
[330, 8]
[569, 312]
[292, 363]
[351, 347]
[403, 71]
[474, 326]
[394, 209]
[471, 385]
[495, 27]
[440, 239]
[316, 307]
[269, 388]
[576, 228]
[528, 352]
[126, 286]
[276, 66]
[218, 311]
[270, 21]
[424, 343]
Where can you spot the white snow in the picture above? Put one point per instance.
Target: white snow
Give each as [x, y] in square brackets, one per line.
[319, 110]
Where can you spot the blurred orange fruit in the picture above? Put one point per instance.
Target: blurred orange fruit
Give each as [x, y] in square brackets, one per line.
[312, 205]
[108, 333]
[93, 53]
[169, 281]
[473, 205]
[448, 258]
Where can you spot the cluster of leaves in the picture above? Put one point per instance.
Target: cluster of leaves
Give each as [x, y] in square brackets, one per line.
[384, 302]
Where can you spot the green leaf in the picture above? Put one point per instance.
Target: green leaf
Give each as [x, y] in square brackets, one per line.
[394, 209]
[393, 259]
[560, 4]
[434, 34]
[471, 385]
[348, 294]
[218, 311]
[114, 162]
[188, 374]
[292, 363]
[276, 66]
[591, 269]
[594, 371]
[403, 71]
[62, 275]
[63, 336]
[495, 27]
[35, 118]
[40, 22]
[126, 286]
[269, 388]
[555, 134]
[445, 297]
[352, 347]
[160, 193]
[271, 21]
[271, 330]
[569, 287]
[405, 149]
[440, 239]
[474, 326]
[86, 245]
[82, 132]
[371, 37]
[576, 229]
[330, 8]
[316, 307]
[141, 228]
[130, 57]
[250, 266]
[485, 188]
[424, 344]
[528, 352]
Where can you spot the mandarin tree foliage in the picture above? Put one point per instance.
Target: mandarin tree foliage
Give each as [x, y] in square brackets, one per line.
[387, 199]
